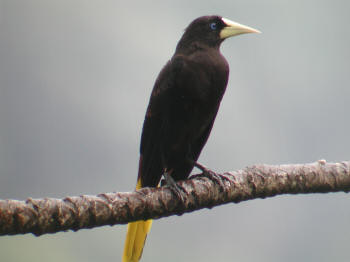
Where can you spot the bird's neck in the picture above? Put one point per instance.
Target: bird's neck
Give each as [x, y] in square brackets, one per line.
[187, 47]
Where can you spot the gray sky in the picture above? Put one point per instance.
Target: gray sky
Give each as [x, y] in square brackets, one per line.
[75, 79]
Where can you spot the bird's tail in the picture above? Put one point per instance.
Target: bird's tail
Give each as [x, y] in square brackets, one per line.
[136, 237]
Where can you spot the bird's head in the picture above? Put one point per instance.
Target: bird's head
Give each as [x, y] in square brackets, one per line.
[212, 30]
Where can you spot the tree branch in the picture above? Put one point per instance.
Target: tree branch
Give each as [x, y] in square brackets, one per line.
[48, 215]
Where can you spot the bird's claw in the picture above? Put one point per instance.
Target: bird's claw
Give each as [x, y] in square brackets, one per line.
[178, 190]
[210, 174]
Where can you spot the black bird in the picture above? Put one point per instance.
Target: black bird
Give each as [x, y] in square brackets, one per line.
[181, 112]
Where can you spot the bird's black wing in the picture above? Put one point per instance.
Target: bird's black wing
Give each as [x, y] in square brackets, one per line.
[156, 123]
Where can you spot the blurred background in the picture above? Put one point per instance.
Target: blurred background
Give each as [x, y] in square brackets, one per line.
[75, 79]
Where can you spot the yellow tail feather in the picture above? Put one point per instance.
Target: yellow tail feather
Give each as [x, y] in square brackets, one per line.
[135, 240]
[136, 237]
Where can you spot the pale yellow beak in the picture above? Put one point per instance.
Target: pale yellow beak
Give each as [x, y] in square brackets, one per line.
[233, 28]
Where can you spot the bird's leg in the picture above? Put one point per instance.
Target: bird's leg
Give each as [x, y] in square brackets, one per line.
[178, 190]
[209, 173]
[206, 171]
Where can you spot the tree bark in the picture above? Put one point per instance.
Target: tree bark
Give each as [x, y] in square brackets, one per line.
[48, 215]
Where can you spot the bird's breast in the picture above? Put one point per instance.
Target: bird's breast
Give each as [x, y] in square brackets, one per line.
[210, 79]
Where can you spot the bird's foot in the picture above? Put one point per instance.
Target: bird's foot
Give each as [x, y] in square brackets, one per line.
[178, 190]
[210, 174]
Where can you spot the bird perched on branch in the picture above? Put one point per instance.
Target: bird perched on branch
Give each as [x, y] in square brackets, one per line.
[181, 112]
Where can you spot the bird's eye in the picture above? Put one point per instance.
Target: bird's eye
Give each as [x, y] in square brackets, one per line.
[213, 26]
